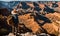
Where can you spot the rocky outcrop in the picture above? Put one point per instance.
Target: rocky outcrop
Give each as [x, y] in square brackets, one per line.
[51, 28]
[29, 22]
[55, 18]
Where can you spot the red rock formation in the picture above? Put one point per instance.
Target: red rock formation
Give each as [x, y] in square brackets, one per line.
[51, 28]
[29, 22]
[30, 4]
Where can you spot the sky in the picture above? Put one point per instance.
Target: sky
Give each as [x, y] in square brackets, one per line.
[28, 0]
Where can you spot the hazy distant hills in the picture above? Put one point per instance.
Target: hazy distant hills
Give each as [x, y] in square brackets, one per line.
[8, 5]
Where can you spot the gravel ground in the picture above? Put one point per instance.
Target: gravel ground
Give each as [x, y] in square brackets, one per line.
[27, 34]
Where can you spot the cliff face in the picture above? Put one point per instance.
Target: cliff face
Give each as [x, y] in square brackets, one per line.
[43, 21]
[51, 28]
[55, 18]
[29, 22]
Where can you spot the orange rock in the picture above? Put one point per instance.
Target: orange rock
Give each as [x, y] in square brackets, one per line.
[50, 28]
[58, 3]
[41, 6]
[55, 16]
[29, 22]
[30, 4]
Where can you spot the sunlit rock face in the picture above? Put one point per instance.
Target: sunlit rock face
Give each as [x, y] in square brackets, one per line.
[55, 18]
[29, 22]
